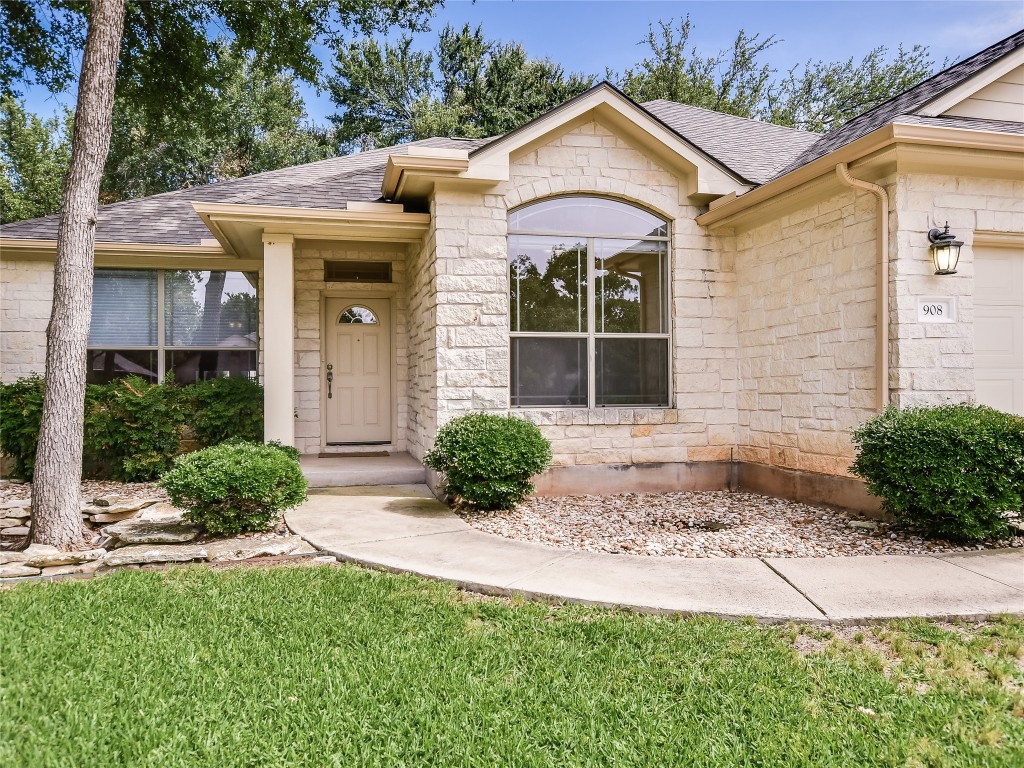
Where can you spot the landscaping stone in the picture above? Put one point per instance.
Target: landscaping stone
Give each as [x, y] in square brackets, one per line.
[243, 548]
[123, 507]
[690, 524]
[154, 553]
[17, 530]
[154, 531]
[15, 504]
[55, 558]
[108, 501]
[67, 570]
[17, 570]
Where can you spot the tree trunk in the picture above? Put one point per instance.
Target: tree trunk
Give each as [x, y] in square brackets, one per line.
[56, 515]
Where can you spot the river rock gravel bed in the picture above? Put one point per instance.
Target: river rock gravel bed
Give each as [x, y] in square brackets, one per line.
[705, 524]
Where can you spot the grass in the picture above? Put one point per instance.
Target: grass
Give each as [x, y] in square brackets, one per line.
[339, 666]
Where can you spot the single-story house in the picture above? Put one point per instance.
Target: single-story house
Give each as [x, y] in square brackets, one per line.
[672, 294]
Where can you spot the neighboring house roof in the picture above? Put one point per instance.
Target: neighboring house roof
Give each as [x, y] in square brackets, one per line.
[907, 103]
[169, 218]
[752, 148]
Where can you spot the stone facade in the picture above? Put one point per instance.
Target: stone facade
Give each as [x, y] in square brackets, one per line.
[806, 293]
[935, 363]
[26, 295]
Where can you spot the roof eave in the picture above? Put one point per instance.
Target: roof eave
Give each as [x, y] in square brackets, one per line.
[887, 135]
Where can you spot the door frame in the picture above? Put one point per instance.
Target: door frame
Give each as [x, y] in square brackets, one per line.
[355, 296]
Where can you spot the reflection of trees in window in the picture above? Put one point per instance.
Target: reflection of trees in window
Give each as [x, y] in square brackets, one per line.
[553, 299]
[588, 308]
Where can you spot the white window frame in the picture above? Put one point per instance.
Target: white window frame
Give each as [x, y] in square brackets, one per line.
[591, 334]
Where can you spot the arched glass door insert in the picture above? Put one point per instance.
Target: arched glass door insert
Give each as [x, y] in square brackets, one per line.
[357, 315]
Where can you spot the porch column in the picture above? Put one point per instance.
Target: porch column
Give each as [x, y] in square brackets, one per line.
[278, 338]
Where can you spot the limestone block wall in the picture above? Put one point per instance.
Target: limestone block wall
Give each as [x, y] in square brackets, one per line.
[26, 297]
[934, 363]
[310, 290]
[422, 389]
[469, 252]
[806, 304]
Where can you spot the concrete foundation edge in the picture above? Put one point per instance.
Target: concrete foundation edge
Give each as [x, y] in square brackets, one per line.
[807, 487]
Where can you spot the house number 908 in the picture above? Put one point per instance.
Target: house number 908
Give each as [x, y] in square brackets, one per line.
[933, 309]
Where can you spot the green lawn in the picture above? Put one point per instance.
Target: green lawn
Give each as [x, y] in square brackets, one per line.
[311, 666]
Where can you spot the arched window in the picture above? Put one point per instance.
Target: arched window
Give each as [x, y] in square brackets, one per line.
[357, 315]
[588, 292]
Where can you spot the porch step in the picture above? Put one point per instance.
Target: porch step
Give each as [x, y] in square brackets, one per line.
[340, 471]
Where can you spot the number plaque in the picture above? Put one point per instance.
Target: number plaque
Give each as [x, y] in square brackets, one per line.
[936, 309]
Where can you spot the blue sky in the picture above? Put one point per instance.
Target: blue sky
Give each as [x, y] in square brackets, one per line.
[590, 35]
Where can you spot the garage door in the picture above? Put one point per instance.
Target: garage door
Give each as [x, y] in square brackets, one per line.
[999, 327]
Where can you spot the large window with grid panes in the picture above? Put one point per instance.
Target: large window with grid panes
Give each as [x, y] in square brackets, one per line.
[588, 295]
[192, 324]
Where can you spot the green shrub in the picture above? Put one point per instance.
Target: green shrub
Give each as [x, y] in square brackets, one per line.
[136, 427]
[230, 407]
[235, 487]
[488, 460]
[21, 407]
[133, 429]
[953, 470]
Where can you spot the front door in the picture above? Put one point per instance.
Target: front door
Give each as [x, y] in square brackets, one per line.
[357, 375]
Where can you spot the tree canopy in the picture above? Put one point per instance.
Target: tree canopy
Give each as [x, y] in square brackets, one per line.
[466, 85]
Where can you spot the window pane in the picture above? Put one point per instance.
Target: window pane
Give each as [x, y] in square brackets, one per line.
[547, 284]
[630, 286]
[587, 216]
[105, 365]
[632, 372]
[210, 309]
[190, 366]
[549, 372]
[123, 308]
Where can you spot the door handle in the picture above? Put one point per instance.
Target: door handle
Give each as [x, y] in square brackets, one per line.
[330, 378]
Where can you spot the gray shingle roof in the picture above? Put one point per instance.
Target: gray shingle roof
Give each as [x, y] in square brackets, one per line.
[969, 123]
[169, 219]
[906, 103]
[754, 149]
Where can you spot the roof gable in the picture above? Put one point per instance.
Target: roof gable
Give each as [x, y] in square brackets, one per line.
[916, 100]
[708, 177]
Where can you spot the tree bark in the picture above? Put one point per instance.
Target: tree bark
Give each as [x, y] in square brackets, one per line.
[56, 513]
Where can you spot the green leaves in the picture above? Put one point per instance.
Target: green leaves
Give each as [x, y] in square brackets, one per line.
[235, 487]
[953, 470]
[134, 429]
[465, 86]
[488, 460]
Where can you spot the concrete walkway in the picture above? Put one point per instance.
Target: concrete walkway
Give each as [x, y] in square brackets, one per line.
[403, 528]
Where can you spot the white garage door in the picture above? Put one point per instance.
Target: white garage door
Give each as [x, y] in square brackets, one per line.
[999, 327]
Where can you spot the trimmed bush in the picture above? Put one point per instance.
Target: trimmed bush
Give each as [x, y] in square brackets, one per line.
[235, 487]
[489, 460]
[21, 407]
[230, 407]
[134, 429]
[955, 471]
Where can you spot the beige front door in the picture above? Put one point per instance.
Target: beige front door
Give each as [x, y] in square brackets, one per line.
[999, 328]
[357, 363]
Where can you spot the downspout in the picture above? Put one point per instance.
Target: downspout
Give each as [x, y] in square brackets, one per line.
[882, 296]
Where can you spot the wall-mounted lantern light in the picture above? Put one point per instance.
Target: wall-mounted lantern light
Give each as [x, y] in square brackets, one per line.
[945, 250]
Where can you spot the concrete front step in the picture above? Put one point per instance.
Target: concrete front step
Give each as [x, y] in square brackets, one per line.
[344, 471]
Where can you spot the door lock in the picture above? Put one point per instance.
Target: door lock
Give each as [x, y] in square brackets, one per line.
[330, 378]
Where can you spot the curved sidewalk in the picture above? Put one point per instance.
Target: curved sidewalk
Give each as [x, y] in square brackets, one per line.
[405, 529]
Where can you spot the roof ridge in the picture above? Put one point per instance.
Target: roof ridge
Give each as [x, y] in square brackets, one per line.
[734, 117]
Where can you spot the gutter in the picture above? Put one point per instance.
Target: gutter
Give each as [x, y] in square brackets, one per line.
[882, 279]
[893, 133]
